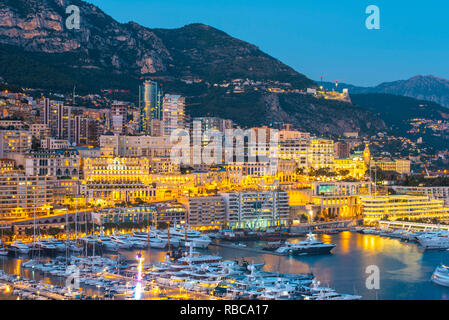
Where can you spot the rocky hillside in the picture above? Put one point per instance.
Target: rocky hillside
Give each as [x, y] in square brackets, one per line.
[38, 51]
[428, 88]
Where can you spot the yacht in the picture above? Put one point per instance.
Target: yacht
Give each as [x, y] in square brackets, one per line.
[108, 244]
[434, 241]
[122, 241]
[45, 245]
[441, 276]
[19, 247]
[193, 237]
[59, 245]
[309, 246]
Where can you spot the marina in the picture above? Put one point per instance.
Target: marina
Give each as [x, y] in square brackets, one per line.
[212, 273]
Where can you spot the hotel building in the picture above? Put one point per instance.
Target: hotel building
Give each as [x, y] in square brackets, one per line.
[114, 180]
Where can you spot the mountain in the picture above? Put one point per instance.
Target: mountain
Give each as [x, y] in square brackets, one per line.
[38, 51]
[398, 112]
[428, 88]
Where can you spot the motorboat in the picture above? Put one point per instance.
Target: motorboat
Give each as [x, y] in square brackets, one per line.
[191, 237]
[19, 247]
[441, 276]
[308, 246]
[108, 244]
[122, 241]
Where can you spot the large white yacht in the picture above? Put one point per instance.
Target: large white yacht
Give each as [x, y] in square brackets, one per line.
[308, 246]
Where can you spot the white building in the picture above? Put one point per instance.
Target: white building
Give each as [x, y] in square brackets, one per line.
[256, 209]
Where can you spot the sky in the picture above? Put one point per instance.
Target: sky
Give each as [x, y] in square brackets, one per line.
[317, 37]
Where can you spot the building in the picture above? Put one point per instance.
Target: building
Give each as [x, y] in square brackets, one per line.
[342, 150]
[171, 212]
[205, 213]
[109, 180]
[57, 163]
[118, 117]
[355, 166]
[320, 154]
[40, 130]
[336, 199]
[399, 166]
[173, 113]
[14, 141]
[7, 165]
[22, 196]
[135, 146]
[11, 124]
[54, 144]
[119, 215]
[405, 207]
[435, 193]
[150, 105]
[293, 145]
[254, 210]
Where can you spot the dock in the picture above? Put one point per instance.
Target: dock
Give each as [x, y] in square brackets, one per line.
[35, 291]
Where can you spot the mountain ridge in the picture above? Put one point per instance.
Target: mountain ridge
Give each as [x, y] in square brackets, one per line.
[37, 51]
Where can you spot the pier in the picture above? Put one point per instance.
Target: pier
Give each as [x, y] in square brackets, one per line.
[35, 291]
[415, 226]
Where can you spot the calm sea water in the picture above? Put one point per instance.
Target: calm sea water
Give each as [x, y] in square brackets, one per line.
[405, 268]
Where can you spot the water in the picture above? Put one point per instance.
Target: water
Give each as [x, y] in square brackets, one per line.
[405, 268]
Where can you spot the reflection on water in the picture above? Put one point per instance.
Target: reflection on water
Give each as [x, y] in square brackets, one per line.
[405, 269]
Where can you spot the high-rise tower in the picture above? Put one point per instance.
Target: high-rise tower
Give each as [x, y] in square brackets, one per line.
[149, 105]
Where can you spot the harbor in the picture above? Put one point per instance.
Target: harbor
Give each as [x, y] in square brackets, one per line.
[403, 263]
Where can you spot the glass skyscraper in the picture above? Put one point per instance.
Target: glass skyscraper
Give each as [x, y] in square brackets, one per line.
[149, 105]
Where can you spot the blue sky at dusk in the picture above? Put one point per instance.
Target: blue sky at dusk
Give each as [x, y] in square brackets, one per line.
[326, 37]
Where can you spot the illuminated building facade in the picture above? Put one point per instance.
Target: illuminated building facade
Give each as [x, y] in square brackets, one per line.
[114, 180]
[58, 163]
[14, 141]
[435, 193]
[355, 166]
[173, 113]
[400, 166]
[207, 212]
[22, 195]
[336, 199]
[256, 209]
[320, 154]
[393, 207]
[294, 145]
